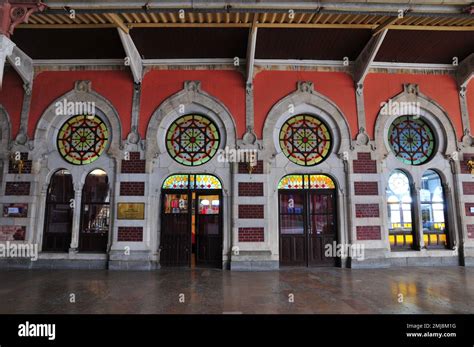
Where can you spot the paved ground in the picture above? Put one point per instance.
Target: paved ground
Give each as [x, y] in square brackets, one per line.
[323, 290]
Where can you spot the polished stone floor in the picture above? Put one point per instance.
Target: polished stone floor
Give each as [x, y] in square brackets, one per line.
[321, 290]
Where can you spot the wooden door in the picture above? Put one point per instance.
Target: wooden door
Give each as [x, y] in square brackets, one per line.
[292, 208]
[59, 213]
[95, 213]
[209, 229]
[176, 229]
[321, 227]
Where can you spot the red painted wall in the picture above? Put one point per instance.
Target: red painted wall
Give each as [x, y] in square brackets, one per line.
[11, 98]
[225, 85]
[115, 86]
[271, 86]
[380, 87]
[228, 87]
[470, 103]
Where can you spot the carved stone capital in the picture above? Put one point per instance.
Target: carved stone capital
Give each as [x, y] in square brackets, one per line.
[83, 86]
[192, 86]
[305, 87]
[411, 88]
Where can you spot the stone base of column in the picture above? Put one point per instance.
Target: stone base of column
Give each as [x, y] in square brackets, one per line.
[136, 260]
[254, 261]
[373, 258]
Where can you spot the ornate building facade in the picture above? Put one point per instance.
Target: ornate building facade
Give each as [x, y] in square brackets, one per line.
[106, 167]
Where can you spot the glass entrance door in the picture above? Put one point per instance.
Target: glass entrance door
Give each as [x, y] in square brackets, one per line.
[191, 221]
[208, 229]
[95, 213]
[176, 243]
[59, 212]
[307, 211]
[293, 231]
[321, 227]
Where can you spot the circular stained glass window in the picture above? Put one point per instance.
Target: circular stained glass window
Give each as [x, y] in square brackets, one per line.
[192, 140]
[412, 140]
[305, 140]
[82, 139]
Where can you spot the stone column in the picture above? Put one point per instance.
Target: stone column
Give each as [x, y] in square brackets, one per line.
[450, 220]
[417, 223]
[37, 238]
[76, 219]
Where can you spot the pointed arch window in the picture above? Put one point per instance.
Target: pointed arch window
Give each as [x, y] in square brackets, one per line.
[433, 210]
[400, 211]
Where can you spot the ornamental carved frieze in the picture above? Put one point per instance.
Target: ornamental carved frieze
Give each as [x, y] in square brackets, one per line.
[13, 13]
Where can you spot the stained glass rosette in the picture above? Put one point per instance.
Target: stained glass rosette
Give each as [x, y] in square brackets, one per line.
[82, 139]
[192, 140]
[305, 140]
[412, 140]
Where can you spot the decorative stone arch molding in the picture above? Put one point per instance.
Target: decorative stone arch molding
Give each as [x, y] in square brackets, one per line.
[50, 121]
[306, 100]
[429, 109]
[441, 161]
[5, 130]
[191, 99]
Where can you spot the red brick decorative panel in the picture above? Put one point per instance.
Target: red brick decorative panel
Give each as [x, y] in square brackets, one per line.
[371, 232]
[132, 188]
[364, 164]
[250, 189]
[468, 188]
[251, 211]
[251, 234]
[12, 232]
[130, 234]
[133, 164]
[258, 169]
[367, 210]
[366, 188]
[17, 188]
[468, 206]
[26, 169]
[470, 231]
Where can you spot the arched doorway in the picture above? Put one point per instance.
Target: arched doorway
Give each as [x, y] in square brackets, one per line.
[59, 213]
[434, 214]
[191, 221]
[95, 213]
[308, 215]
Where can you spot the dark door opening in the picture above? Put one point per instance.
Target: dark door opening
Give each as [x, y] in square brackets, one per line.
[191, 223]
[95, 213]
[59, 212]
[307, 221]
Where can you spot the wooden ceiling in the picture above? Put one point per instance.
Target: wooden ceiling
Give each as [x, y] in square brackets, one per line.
[93, 18]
